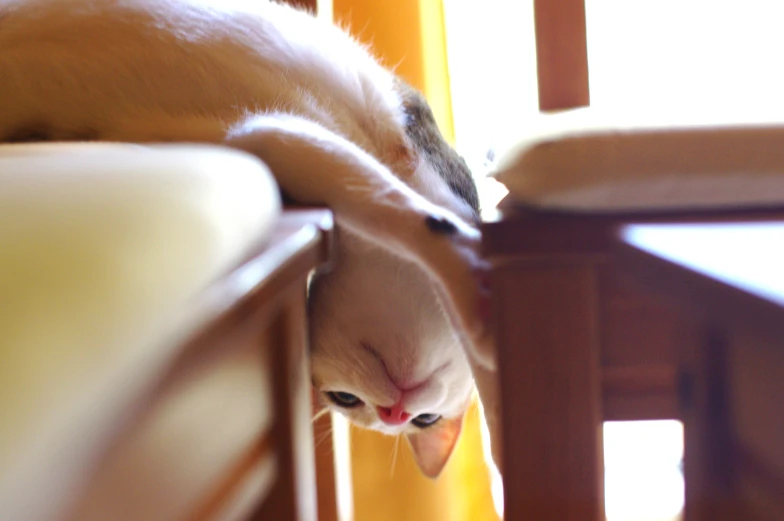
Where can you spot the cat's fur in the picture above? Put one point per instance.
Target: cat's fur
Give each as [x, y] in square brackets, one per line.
[397, 319]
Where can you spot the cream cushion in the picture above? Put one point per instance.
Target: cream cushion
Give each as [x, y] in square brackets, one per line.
[104, 248]
[585, 160]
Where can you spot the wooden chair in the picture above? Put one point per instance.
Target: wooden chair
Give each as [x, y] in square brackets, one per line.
[578, 342]
[187, 399]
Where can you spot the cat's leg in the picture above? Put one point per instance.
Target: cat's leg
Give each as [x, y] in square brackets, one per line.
[314, 165]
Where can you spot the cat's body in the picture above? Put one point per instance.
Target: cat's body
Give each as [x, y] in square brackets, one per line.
[393, 324]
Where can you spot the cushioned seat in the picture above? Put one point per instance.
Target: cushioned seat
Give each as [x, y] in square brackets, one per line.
[586, 160]
[105, 250]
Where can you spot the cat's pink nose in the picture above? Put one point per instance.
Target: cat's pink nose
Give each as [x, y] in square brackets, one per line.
[394, 415]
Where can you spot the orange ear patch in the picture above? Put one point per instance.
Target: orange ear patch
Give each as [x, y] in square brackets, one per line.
[433, 446]
[403, 159]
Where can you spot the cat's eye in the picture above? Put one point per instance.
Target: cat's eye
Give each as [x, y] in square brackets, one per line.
[425, 420]
[342, 399]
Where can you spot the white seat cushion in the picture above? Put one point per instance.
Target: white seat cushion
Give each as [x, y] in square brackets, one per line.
[102, 248]
[587, 161]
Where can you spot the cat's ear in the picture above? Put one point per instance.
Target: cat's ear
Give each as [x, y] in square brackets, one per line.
[433, 446]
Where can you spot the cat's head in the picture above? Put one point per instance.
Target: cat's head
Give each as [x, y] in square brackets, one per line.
[384, 355]
[383, 352]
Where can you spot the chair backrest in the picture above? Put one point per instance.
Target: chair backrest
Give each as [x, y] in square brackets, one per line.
[561, 54]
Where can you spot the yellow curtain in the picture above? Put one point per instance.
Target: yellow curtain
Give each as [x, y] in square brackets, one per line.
[409, 35]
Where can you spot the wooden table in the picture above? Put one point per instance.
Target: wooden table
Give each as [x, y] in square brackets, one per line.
[727, 280]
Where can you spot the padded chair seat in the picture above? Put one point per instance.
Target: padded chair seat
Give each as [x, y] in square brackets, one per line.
[584, 160]
[104, 249]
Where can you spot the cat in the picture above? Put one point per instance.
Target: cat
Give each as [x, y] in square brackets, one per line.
[395, 327]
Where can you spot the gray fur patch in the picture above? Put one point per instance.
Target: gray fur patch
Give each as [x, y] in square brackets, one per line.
[423, 131]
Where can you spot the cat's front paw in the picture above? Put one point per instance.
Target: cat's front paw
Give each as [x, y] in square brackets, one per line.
[484, 344]
[464, 277]
[474, 309]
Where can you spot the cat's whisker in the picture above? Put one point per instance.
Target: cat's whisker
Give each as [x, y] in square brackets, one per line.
[394, 455]
[319, 415]
[322, 437]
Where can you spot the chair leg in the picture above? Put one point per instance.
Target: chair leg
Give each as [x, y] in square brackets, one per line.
[710, 495]
[562, 54]
[294, 495]
[546, 319]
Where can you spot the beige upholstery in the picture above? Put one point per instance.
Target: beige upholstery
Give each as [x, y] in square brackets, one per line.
[588, 161]
[104, 252]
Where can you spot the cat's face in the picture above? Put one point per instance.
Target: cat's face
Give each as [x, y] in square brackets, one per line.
[383, 353]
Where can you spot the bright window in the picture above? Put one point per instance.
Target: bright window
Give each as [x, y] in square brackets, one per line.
[705, 58]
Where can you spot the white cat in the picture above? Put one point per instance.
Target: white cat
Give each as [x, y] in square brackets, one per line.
[395, 326]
